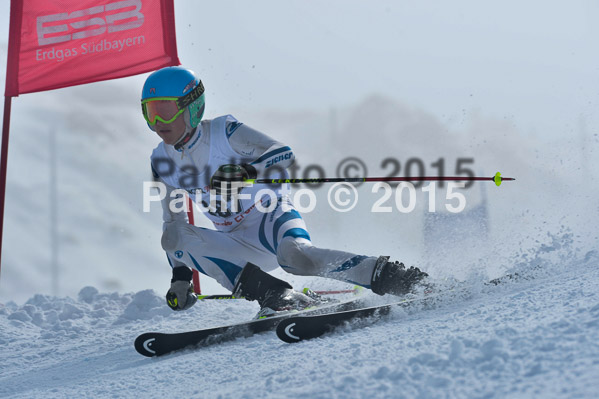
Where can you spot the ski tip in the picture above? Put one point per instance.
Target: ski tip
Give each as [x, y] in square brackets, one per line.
[286, 331]
[144, 344]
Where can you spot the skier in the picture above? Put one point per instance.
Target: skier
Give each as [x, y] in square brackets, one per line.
[256, 232]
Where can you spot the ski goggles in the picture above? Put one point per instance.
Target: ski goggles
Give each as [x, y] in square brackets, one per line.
[162, 109]
[167, 109]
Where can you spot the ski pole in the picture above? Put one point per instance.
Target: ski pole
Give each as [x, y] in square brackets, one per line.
[497, 179]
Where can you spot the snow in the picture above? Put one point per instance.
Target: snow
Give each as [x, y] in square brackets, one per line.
[537, 336]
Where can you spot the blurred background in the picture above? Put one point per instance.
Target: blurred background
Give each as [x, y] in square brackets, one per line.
[509, 86]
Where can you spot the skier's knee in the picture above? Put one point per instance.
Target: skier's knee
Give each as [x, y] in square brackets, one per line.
[291, 255]
[171, 236]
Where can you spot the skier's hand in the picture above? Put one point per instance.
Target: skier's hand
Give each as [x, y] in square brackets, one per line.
[181, 296]
[229, 178]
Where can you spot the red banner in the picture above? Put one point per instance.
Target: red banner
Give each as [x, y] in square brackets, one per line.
[61, 43]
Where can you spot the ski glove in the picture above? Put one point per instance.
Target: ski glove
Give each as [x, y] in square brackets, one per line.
[229, 178]
[181, 296]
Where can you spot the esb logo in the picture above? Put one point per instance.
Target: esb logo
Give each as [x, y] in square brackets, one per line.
[102, 19]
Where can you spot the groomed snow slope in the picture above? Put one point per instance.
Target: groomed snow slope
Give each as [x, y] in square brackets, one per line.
[535, 337]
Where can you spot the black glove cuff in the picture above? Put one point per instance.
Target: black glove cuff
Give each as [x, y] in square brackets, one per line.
[181, 273]
[252, 172]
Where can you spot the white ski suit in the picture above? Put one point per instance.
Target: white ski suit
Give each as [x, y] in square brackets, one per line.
[277, 237]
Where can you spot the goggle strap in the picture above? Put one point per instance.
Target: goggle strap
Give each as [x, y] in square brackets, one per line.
[190, 97]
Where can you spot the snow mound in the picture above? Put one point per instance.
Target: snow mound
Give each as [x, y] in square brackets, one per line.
[531, 336]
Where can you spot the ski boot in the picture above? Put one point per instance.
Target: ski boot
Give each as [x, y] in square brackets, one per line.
[393, 277]
[273, 295]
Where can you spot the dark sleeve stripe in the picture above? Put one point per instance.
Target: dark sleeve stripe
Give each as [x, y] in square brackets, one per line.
[270, 154]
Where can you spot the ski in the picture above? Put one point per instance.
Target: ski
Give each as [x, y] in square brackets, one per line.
[301, 327]
[157, 344]
[308, 326]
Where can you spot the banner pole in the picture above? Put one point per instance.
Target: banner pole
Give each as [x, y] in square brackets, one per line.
[3, 166]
